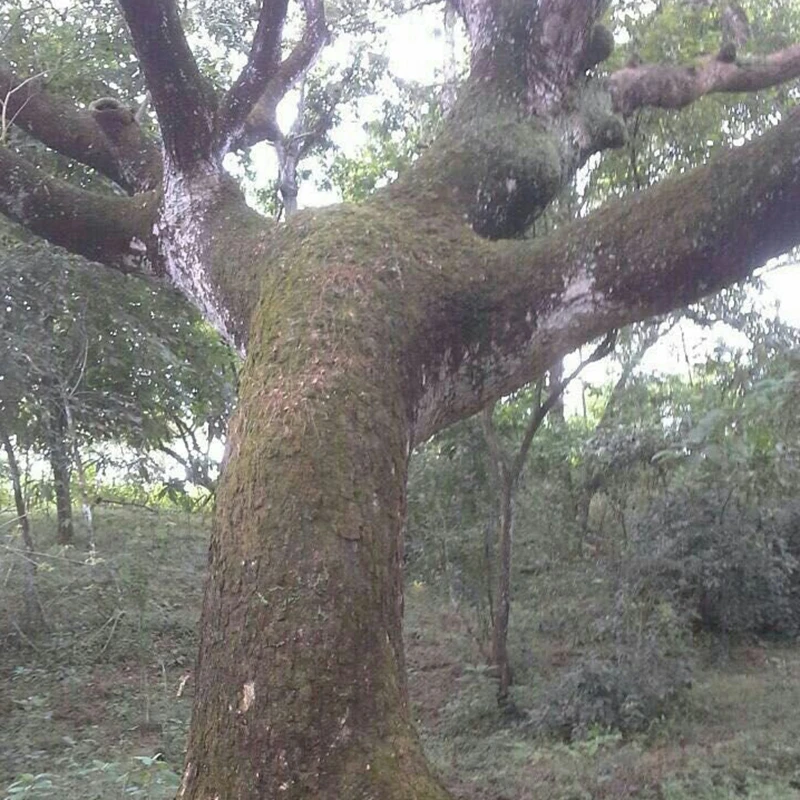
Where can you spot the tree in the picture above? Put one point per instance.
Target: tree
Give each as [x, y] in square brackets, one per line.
[368, 328]
[34, 617]
[80, 372]
[507, 470]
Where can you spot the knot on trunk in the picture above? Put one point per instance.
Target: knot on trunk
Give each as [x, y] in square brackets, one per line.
[112, 115]
[519, 170]
[598, 48]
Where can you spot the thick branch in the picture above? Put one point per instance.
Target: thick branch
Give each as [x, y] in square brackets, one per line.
[106, 140]
[533, 51]
[183, 100]
[112, 230]
[262, 124]
[565, 32]
[665, 86]
[528, 303]
[248, 114]
[265, 54]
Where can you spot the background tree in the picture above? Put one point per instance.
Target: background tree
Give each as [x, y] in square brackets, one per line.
[507, 470]
[82, 374]
[34, 618]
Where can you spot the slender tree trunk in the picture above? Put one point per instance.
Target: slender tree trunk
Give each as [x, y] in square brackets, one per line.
[83, 484]
[287, 178]
[555, 376]
[498, 549]
[594, 477]
[61, 465]
[34, 617]
[502, 610]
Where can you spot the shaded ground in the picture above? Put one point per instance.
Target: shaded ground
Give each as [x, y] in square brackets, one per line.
[98, 706]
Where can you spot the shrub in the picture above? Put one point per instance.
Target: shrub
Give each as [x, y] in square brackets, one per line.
[728, 566]
[626, 693]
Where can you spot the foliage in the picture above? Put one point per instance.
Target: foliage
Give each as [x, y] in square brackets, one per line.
[677, 32]
[723, 542]
[141, 371]
[626, 694]
[727, 566]
[404, 126]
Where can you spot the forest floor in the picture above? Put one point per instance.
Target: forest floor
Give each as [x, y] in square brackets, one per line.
[98, 707]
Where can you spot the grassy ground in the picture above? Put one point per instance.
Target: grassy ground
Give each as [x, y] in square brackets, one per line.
[98, 708]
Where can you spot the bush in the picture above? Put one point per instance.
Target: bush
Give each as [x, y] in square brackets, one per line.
[727, 566]
[626, 693]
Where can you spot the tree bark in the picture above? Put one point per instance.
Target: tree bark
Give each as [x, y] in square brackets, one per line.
[301, 688]
[378, 325]
[61, 466]
[554, 377]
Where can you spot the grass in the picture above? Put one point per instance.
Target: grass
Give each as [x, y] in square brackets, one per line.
[90, 708]
[97, 706]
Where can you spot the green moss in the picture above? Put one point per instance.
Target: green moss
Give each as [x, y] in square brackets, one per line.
[501, 166]
[599, 48]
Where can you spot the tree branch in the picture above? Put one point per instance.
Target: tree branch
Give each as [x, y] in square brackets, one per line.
[497, 455]
[565, 28]
[248, 112]
[262, 62]
[546, 45]
[665, 86]
[652, 335]
[315, 35]
[538, 417]
[262, 123]
[112, 230]
[106, 139]
[183, 100]
[528, 303]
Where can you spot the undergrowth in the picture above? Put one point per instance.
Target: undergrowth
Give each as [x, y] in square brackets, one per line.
[98, 705]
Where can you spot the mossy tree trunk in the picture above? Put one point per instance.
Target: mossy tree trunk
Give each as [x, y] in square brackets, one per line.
[367, 329]
[301, 688]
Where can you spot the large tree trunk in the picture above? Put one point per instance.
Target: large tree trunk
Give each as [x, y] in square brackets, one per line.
[301, 688]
